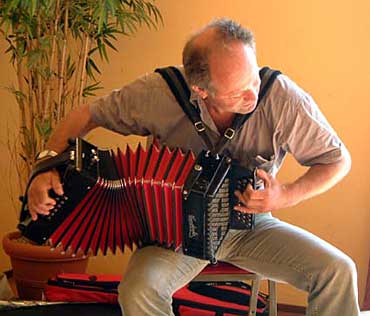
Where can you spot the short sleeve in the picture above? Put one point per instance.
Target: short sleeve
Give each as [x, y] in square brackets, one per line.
[306, 134]
[130, 109]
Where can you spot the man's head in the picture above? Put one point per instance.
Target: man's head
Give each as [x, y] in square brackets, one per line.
[220, 65]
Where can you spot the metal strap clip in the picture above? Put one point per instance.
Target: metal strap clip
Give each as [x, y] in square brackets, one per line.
[229, 133]
[199, 126]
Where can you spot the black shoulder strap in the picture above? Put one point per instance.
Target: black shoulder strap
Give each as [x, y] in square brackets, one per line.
[181, 91]
[267, 76]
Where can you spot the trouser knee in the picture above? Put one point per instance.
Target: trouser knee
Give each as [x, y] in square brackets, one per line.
[141, 294]
[339, 269]
[343, 266]
[333, 290]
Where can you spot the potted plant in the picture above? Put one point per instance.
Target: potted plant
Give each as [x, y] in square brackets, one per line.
[53, 45]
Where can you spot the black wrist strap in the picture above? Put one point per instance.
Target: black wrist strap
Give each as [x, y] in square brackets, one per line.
[42, 166]
[181, 91]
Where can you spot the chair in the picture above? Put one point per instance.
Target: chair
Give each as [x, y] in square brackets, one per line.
[223, 271]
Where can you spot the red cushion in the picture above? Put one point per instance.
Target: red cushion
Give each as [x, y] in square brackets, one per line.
[224, 268]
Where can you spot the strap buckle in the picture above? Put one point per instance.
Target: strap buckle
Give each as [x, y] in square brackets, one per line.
[229, 133]
[199, 126]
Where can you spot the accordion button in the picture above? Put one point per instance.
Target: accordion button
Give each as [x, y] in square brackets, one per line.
[198, 167]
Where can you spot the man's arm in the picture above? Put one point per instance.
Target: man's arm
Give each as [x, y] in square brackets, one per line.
[317, 179]
[77, 123]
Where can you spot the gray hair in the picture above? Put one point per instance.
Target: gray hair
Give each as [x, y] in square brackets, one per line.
[196, 57]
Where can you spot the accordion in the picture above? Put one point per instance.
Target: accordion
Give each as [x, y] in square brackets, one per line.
[160, 196]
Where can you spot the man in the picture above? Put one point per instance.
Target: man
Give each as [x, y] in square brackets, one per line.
[221, 70]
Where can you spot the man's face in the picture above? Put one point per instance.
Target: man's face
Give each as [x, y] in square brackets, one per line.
[235, 80]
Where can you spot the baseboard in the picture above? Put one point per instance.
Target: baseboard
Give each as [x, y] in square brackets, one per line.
[292, 309]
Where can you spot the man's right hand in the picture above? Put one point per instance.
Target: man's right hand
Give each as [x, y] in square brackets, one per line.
[39, 201]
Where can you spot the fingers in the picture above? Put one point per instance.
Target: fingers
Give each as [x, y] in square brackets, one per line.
[250, 194]
[259, 201]
[40, 209]
[33, 215]
[56, 184]
[253, 194]
[39, 201]
[266, 177]
[252, 201]
[244, 209]
[40, 204]
[248, 204]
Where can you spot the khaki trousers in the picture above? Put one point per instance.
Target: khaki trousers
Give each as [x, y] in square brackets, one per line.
[275, 249]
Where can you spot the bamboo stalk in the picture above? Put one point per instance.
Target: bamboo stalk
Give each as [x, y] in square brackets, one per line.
[63, 66]
[33, 116]
[48, 104]
[22, 111]
[29, 113]
[23, 125]
[77, 75]
[21, 168]
[83, 66]
[39, 95]
[64, 98]
[39, 108]
[80, 78]
[89, 48]
[32, 109]
[13, 147]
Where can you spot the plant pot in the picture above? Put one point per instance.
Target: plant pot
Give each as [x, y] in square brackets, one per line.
[33, 265]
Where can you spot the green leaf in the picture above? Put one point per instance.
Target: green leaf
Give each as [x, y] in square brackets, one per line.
[28, 143]
[43, 127]
[106, 41]
[33, 58]
[90, 66]
[102, 19]
[89, 90]
[19, 95]
[93, 50]
[33, 7]
[71, 67]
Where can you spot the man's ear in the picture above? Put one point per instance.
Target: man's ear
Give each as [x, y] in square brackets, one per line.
[200, 91]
